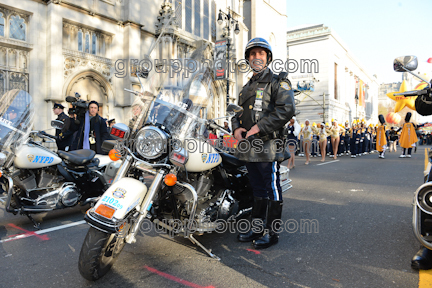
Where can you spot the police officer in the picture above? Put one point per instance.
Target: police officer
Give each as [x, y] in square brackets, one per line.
[268, 103]
[63, 136]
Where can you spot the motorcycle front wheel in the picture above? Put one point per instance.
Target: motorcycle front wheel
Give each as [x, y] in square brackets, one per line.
[98, 253]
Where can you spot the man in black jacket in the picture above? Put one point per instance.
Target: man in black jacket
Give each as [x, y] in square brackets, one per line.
[92, 129]
[63, 136]
[268, 103]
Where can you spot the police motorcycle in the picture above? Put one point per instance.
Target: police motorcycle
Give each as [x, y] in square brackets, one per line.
[193, 188]
[422, 206]
[35, 178]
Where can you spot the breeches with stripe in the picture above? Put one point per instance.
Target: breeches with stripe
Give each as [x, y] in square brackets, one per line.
[264, 178]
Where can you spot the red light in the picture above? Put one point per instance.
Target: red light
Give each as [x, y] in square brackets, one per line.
[118, 133]
[179, 158]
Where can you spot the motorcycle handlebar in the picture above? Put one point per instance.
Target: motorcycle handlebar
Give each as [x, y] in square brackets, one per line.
[43, 134]
[213, 125]
[413, 93]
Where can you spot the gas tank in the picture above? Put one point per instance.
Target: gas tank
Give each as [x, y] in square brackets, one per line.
[202, 156]
[30, 156]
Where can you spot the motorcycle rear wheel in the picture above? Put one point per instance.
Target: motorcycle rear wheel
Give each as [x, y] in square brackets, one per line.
[98, 253]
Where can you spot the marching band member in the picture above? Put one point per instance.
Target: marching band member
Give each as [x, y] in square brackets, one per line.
[329, 148]
[342, 140]
[334, 136]
[322, 133]
[408, 136]
[354, 140]
[292, 130]
[307, 139]
[315, 146]
[347, 138]
[381, 141]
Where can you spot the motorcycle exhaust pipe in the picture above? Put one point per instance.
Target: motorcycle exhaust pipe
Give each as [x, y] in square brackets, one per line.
[422, 203]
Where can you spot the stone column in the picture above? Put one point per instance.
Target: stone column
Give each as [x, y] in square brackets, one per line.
[54, 51]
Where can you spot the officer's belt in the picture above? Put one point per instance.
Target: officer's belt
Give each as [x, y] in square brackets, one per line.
[264, 137]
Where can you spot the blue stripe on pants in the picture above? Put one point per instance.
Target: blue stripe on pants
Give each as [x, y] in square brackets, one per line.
[265, 179]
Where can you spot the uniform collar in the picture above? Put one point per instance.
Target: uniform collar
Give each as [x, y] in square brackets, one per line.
[263, 76]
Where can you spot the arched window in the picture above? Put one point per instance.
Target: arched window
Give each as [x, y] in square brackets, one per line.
[17, 28]
[94, 43]
[87, 43]
[206, 24]
[197, 18]
[178, 12]
[80, 44]
[2, 24]
[188, 12]
[17, 81]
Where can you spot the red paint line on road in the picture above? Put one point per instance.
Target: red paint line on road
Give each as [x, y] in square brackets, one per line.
[254, 251]
[27, 234]
[174, 278]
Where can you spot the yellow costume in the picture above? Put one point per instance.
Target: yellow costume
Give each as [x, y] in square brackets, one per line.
[321, 132]
[307, 133]
[408, 136]
[381, 138]
[334, 131]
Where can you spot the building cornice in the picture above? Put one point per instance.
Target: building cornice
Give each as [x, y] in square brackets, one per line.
[12, 43]
[308, 33]
[87, 56]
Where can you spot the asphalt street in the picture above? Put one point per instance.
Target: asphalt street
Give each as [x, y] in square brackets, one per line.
[363, 238]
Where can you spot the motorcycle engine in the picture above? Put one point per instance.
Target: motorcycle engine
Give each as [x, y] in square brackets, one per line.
[202, 184]
[69, 194]
[28, 180]
[25, 179]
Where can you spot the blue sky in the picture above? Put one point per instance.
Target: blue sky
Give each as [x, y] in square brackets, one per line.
[375, 31]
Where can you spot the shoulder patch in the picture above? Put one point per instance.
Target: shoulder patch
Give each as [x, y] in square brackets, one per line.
[285, 85]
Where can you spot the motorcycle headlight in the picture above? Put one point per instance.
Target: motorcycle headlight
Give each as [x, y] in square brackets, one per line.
[151, 142]
[3, 158]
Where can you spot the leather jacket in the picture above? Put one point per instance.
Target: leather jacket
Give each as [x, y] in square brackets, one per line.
[270, 115]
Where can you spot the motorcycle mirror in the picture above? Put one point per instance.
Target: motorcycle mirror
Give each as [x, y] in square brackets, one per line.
[404, 63]
[57, 124]
[234, 109]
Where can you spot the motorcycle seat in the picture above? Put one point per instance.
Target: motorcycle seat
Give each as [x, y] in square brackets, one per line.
[231, 160]
[78, 157]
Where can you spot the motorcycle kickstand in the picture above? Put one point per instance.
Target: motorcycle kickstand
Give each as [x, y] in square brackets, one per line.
[35, 224]
[194, 241]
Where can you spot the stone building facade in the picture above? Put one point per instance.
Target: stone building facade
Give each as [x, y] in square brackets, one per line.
[54, 48]
[319, 57]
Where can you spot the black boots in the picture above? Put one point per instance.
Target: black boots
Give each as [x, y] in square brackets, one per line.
[259, 211]
[422, 259]
[270, 236]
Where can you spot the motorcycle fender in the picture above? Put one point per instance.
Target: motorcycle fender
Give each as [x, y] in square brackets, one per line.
[122, 196]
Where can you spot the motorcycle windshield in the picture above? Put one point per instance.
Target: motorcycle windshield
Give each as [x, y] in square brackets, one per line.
[16, 118]
[179, 101]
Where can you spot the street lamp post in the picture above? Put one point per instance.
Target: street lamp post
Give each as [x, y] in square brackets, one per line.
[230, 21]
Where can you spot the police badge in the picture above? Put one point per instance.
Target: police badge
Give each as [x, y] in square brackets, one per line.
[285, 86]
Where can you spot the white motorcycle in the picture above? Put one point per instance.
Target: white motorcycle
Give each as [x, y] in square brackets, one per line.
[194, 187]
[36, 179]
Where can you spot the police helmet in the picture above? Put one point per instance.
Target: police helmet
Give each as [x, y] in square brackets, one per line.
[259, 42]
